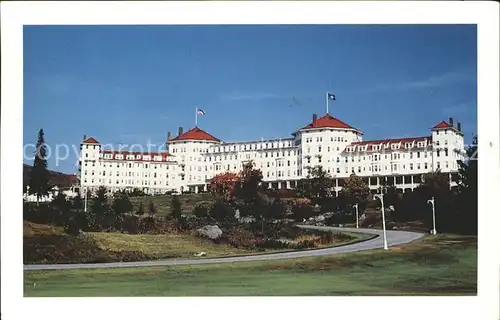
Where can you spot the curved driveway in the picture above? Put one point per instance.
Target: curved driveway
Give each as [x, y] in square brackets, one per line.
[393, 238]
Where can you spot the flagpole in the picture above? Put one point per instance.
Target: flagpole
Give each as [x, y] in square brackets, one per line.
[326, 102]
[196, 117]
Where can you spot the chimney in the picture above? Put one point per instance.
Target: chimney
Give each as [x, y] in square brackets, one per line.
[451, 121]
[315, 117]
[459, 126]
[169, 135]
[180, 131]
[84, 137]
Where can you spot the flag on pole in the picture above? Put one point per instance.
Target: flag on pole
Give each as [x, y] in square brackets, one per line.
[200, 112]
[331, 96]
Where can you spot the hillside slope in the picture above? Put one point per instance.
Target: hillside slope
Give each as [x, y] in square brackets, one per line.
[56, 178]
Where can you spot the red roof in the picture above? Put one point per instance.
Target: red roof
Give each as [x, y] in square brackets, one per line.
[91, 141]
[327, 121]
[386, 143]
[195, 134]
[443, 125]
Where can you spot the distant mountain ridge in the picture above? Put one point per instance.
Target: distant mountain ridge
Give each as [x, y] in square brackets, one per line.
[55, 178]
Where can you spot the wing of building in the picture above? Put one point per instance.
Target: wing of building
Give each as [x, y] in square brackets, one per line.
[193, 157]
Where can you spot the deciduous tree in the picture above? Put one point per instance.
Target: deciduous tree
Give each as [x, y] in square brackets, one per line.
[317, 185]
[223, 185]
[355, 190]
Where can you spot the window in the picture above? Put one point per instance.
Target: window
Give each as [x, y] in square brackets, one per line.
[411, 166]
[437, 153]
[438, 165]
[425, 165]
[338, 170]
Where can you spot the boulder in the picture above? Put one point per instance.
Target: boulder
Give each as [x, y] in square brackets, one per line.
[210, 232]
[320, 218]
[237, 214]
[248, 219]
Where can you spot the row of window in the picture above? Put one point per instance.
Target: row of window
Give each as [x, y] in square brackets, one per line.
[128, 165]
[128, 182]
[332, 139]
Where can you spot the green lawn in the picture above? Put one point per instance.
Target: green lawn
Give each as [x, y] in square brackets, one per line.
[164, 245]
[436, 265]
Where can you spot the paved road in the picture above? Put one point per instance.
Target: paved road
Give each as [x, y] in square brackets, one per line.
[393, 238]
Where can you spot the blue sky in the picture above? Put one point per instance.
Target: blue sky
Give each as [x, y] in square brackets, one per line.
[133, 84]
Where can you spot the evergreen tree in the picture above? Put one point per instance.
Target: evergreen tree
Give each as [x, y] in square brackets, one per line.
[121, 203]
[152, 208]
[77, 202]
[468, 190]
[101, 209]
[39, 175]
[176, 208]
[140, 209]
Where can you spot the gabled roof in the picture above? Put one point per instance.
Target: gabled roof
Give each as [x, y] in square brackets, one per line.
[443, 125]
[138, 156]
[195, 134]
[328, 121]
[91, 141]
[385, 143]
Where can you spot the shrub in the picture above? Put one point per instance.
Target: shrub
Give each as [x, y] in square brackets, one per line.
[148, 225]
[131, 224]
[201, 211]
[222, 212]
[303, 211]
[140, 209]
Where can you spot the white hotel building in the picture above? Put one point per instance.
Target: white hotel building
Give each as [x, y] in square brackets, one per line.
[192, 158]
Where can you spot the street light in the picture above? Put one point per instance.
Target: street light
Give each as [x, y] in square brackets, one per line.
[433, 216]
[357, 219]
[381, 197]
[85, 198]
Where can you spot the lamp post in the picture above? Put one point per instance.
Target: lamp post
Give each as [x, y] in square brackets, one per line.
[357, 218]
[85, 199]
[433, 216]
[381, 197]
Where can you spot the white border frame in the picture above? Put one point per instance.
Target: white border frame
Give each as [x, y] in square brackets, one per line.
[16, 14]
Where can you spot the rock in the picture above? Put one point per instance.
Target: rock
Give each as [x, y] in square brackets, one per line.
[201, 254]
[391, 208]
[320, 218]
[237, 214]
[210, 232]
[248, 219]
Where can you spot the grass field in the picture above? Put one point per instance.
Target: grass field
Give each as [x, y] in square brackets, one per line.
[48, 244]
[164, 245]
[435, 265]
